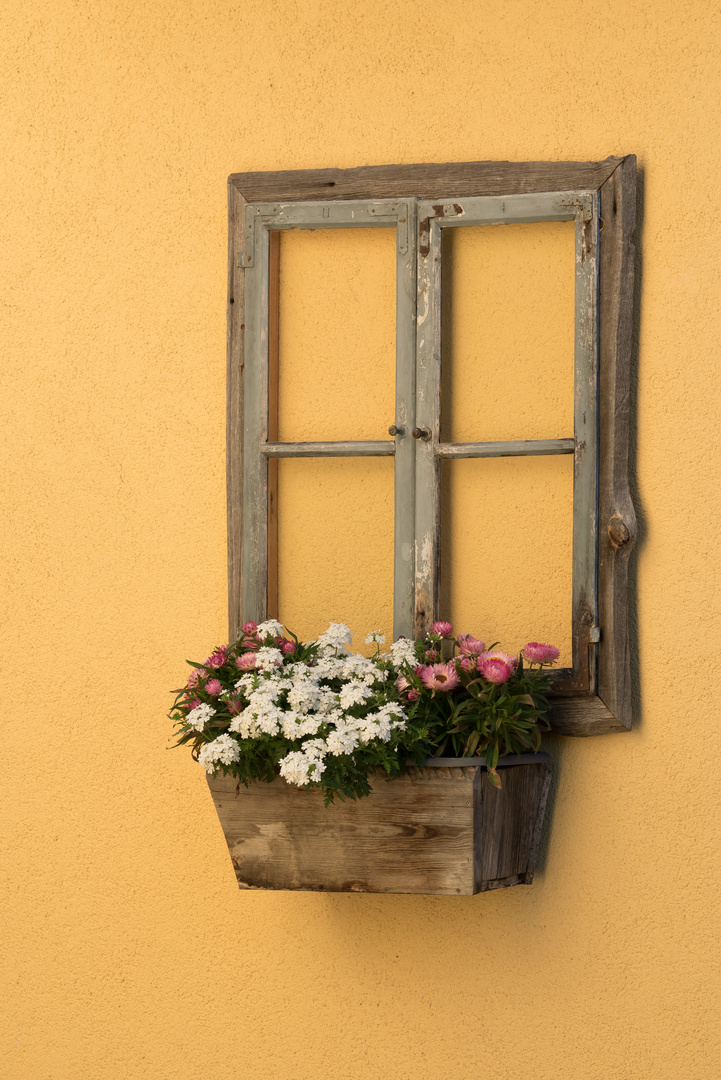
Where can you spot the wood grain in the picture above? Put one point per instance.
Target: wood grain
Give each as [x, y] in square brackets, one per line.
[442, 831]
[617, 517]
[574, 713]
[427, 181]
[234, 404]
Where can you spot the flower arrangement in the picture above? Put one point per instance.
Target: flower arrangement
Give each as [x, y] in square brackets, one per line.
[318, 715]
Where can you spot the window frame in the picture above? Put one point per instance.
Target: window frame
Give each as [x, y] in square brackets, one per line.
[598, 698]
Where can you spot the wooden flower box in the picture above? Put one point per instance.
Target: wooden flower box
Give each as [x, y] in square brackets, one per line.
[445, 831]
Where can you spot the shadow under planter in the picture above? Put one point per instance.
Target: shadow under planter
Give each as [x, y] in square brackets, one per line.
[445, 830]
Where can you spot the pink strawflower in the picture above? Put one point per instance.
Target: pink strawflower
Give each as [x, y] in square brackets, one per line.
[537, 653]
[246, 662]
[192, 704]
[412, 695]
[443, 628]
[288, 647]
[431, 655]
[470, 646]
[402, 683]
[213, 687]
[234, 707]
[217, 659]
[467, 663]
[440, 676]
[419, 668]
[193, 679]
[497, 667]
[249, 627]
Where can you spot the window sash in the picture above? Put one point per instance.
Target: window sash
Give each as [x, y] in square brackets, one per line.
[262, 221]
[433, 218]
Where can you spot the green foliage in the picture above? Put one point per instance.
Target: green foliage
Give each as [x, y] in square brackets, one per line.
[469, 704]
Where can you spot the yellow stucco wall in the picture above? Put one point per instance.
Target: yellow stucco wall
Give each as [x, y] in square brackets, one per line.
[128, 951]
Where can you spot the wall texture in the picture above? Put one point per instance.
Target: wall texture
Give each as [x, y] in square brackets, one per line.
[128, 951]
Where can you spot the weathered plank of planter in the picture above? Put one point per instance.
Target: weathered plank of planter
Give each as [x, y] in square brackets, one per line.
[444, 830]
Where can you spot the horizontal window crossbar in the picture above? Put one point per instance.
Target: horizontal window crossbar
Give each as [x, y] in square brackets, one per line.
[514, 448]
[329, 449]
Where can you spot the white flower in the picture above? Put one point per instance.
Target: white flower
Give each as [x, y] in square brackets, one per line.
[329, 667]
[375, 636]
[305, 766]
[304, 695]
[268, 657]
[354, 693]
[336, 639]
[198, 717]
[341, 741]
[224, 749]
[246, 683]
[361, 667]
[294, 726]
[380, 724]
[403, 652]
[271, 627]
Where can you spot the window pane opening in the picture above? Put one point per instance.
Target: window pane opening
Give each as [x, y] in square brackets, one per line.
[506, 550]
[508, 332]
[335, 546]
[337, 334]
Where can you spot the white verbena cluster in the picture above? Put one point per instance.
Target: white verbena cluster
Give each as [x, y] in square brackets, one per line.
[403, 652]
[375, 636]
[336, 639]
[198, 717]
[270, 627]
[223, 750]
[325, 705]
[268, 657]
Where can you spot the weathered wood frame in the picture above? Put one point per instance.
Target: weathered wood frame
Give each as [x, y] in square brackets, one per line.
[596, 698]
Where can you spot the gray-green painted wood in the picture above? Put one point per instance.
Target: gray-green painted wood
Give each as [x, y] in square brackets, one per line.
[574, 713]
[328, 449]
[509, 448]
[433, 218]
[253, 260]
[405, 450]
[585, 422]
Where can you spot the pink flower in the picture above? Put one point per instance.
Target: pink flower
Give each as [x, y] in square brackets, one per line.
[419, 668]
[443, 628]
[193, 678]
[412, 695]
[402, 683]
[192, 703]
[440, 676]
[470, 646]
[213, 687]
[288, 647]
[467, 663]
[217, 659]
[246, 662]
[536, 653]
[431, 655]
[497, 667]
[249, 627]
[234, 707]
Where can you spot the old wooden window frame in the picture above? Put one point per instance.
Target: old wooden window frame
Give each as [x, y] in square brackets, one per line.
[420, 201]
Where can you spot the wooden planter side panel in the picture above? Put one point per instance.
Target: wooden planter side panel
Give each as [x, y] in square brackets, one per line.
[412, 835]
[440, 832]
[508, 825]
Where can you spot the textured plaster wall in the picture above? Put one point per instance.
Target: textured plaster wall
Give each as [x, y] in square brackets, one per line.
[128, 951]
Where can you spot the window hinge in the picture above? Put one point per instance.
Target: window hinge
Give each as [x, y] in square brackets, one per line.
[594, 635]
